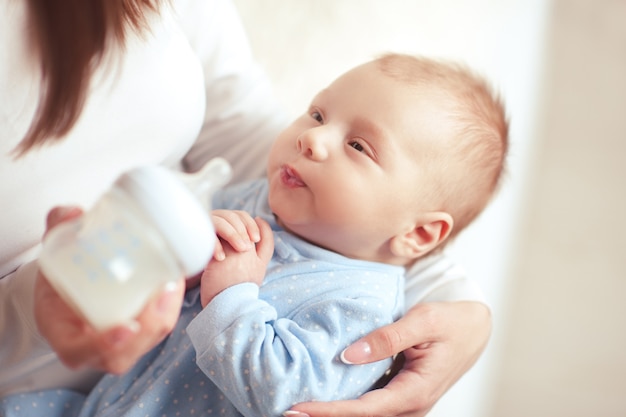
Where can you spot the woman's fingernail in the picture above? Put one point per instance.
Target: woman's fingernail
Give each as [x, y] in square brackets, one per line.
[134, 326]
[165, 300]
[356, 353]
[64, 211]
[292, 413]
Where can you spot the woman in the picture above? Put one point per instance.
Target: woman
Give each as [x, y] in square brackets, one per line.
[93, 88]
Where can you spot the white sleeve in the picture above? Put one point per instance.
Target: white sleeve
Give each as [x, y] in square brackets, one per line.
[437, 278]
[242, 114]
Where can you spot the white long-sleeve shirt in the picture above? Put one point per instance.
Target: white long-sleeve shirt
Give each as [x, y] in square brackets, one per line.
[184, 92]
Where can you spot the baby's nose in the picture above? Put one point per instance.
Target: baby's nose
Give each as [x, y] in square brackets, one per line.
[313, 144]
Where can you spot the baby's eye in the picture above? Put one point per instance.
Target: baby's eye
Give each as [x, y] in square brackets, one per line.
[363, 147]
[357, 146]
[317, 116]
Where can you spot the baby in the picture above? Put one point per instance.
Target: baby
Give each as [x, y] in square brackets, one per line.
[389, 163]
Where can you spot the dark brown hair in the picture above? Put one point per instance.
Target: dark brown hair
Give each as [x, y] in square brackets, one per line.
[71, 38]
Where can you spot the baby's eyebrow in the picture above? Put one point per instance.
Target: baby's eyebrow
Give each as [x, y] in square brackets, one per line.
[371, 127]
[320, 95]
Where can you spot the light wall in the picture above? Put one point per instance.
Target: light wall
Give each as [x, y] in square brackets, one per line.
[564, 345]
[305, 44]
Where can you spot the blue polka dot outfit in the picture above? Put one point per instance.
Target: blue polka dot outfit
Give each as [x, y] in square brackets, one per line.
[251, 351]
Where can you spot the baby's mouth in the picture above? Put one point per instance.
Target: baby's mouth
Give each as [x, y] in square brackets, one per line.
[290, 177]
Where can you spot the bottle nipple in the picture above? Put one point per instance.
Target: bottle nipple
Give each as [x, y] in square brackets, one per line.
[211, 177]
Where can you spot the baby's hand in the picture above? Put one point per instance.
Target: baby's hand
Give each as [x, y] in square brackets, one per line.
[235, 227]
[238, 267]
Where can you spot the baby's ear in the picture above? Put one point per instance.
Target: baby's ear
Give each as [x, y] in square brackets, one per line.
[431, 230]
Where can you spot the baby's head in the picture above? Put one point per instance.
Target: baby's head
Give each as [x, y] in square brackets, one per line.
[393, 159]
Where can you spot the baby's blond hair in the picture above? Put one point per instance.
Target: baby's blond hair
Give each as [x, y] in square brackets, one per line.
[479, 142]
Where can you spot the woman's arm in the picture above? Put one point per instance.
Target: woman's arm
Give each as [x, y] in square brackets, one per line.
[243, 116]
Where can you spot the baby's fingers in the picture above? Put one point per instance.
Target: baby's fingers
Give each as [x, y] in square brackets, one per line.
[265, 248]
[237, 228]
[218, 251]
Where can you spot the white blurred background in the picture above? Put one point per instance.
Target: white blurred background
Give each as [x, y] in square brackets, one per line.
[547, 252]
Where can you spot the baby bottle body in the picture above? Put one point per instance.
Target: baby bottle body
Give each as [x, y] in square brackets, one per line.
[109, 262]
[150, 229]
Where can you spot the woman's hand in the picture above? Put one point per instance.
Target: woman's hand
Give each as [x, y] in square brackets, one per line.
[115, 350]
[440, 342]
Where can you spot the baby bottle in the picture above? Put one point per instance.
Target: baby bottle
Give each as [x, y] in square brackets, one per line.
[151, 228]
